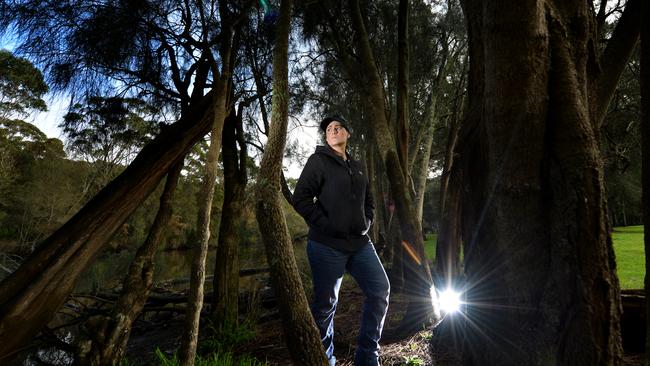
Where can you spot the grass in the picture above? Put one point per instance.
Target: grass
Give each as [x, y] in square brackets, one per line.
[430, 246]
[628, 246]
[217, 349]
[630, 258]
[214, 359]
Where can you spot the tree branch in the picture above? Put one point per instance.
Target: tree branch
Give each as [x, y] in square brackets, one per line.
[615, 57]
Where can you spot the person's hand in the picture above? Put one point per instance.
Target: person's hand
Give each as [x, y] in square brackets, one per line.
[367, 228]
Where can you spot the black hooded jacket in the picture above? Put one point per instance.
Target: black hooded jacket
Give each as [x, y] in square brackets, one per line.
[332, 195]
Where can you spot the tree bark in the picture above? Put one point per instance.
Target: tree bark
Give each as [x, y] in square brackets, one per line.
[645, 160]
[226, 270]
[33, 293]
[403, 86]
[539, 263]
[420, 170]
[417, 272]
[189, 340]
[301, 335]
[110, 334]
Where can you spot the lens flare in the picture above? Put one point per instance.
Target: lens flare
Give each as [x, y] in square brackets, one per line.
[450, 301]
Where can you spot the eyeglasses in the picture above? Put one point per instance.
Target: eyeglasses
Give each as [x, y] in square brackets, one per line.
[334, 129]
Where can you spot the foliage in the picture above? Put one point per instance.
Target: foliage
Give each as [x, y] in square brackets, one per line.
[31, 206]
[108, 130]
[213, 359]
[227, 336]
[413, 361]
[21, 86]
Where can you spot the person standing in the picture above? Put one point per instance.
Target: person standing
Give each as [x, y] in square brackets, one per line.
[333, 196]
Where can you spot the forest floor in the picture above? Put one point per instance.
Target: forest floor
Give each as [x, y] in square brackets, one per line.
[268, 342]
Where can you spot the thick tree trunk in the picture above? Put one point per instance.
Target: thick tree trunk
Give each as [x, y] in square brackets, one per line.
[539, 262]
[417, 272]
[110, 334]
[301, 335]
[31, 295]
[226, 270]
[645, 147]
[189, 340]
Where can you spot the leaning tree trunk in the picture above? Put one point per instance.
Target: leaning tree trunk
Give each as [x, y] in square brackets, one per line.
[645, 147]
[226, 270]
[300, 332]
[110, 333]
[539, 261]
[31, 295]
[416, 269]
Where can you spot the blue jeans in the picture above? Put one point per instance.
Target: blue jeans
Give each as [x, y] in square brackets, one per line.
[327, 268]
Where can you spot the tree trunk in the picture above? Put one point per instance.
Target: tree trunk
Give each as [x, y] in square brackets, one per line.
[226, 270]
[645, 147]
[420, 170]
[539, 263]
[110, 334]
[417, 272]
[448, 245]
[189, 340]
[31, 295]
[301, 335]
[403, 86]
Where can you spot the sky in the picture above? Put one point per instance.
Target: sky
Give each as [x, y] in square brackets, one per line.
[306, 133]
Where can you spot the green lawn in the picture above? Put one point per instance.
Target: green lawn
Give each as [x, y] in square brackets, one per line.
[630, 261]
[628, 245]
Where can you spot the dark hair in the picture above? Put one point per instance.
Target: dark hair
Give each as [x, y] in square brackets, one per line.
[327, 120]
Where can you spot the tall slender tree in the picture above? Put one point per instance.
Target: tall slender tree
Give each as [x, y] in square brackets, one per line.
[226, 276]
[223, 83]
[300, 332]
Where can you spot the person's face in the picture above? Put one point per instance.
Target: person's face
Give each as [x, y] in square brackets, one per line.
[335, 134]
